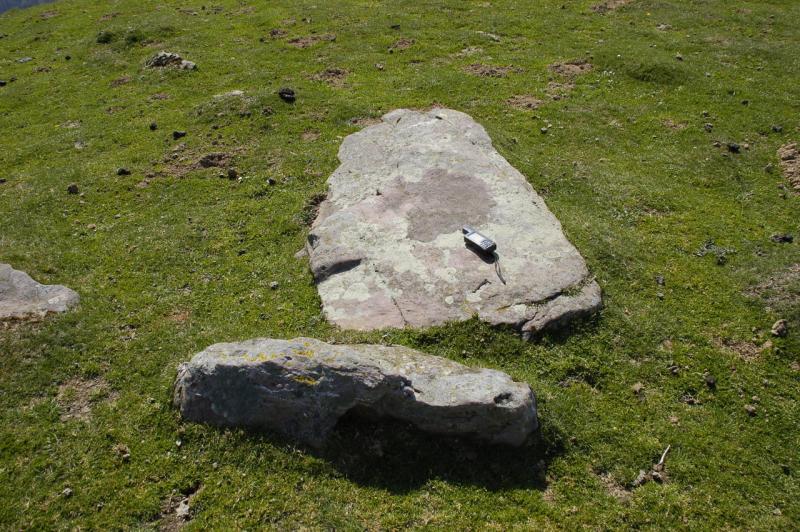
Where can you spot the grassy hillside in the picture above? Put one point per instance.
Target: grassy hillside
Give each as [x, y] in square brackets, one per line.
[173, 257]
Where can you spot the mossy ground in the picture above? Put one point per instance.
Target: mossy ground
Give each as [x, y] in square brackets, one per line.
[168, 264]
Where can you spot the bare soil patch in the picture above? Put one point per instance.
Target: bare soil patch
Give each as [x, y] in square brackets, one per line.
[609, 5]
[310, 135]
[747, 351]
[790, 164]
[364, 121]
[614, 488]
[491, 71]
[176, 510]
[311, 40]
[674, 126]
[571, 69]
[121, 81]
[76, 397]
[401, 44]
[558, 90]
[331, 76]
[780, 291]
[469, 51]
[524, 102]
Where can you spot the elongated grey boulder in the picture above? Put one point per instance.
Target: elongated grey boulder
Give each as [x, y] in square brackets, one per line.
[300, 388]
[23, 298]
[386, 249]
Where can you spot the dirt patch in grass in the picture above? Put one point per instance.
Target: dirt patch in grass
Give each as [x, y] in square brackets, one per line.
[525, 103]
[790, 164]
[490, 71]
[76, 397]
[364, 121]
[121, 81]
[49, 14]
[747, 351]
[310, 135]
[469, 51]
[311, 209]
[613, 488]
[278, 33]
[571, 69]
[159, 96]
[215, 160]
[780, 291]
[609, 5]
[401, 44]
[557, 90]
[176, 510]
[331, 76]
[674, 126]
[311, 40]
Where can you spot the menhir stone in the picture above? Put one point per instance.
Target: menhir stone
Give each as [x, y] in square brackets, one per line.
[300, 388]
[386, 249]
[23, 298]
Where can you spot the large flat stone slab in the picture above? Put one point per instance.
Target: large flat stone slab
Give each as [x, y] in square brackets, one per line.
[300, 388]
[23, 298]
[386, 249]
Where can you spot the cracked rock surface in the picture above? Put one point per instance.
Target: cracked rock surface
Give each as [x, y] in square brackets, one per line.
[300, 388]
[386, 249]
[23, 298]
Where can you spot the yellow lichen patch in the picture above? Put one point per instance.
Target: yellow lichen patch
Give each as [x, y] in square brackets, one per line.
[308, 381]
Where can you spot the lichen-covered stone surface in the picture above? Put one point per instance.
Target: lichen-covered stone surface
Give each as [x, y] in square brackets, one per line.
[300, 388]
[386, 248]
[23, 298]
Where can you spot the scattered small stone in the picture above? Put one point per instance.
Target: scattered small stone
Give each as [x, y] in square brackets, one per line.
[637, 388]
[751, 410]
[232, 173]
[3, 83]
[379, 66]
[24, 59]
[679, 57]
[745, 102]
[544, 130]
[166, 59]
[780, 328]
[271, 181]
[711, 381]
[733, 147]
[72, 188]
[287, 95]
[660, 281]
[123, 171]
[274, 285]
[92, 227]
[178, 134]
[67, 57]
[183, 511]
[782, 238]
[777, 129]
[153, 126]
[708, 127]
[67, 493]
[401, 44]
[3, 180]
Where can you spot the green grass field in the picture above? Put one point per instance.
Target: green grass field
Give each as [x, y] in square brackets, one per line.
[173, 258]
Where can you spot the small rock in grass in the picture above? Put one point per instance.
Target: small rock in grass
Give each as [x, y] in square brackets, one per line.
[780, 328]
[782, 238]
[274, 285]
[72, 188]
[711, 381]
[232, 173]
[287, 95]
[777, 129]
[153, 126]
[183, 510]
[679, 57]
[3, 83]
[3, 180]
[751, 410]
[271, 181]
[123, 171]
[733, 147]
[178, 134]
[24, 59]
[67, 493]
[543, 130]
[708, 127]
[637, 388]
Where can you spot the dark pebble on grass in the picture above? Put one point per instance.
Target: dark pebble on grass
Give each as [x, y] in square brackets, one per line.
[745, 102]
[782, 238]
[232, 173]
[711, 381]
[750, 409]
[271, 181]
[777, 129]
[67, 57]
[708, 127]
[72, 188]
[3, 83]
[660, 280]
[733, 147]
[3, 180]
[153, 126]
[178, 134]
[287, 95]
[123, 171]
